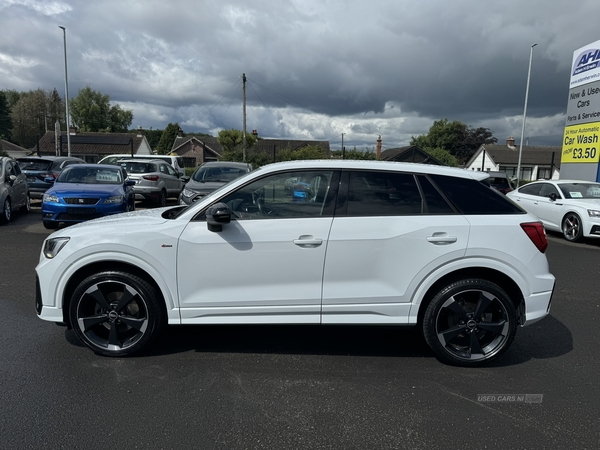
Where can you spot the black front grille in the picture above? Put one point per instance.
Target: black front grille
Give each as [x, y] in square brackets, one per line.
[81, 201]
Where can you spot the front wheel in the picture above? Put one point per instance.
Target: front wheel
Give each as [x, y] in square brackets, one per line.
[6, 214]
[572, 228]
[50, 225]
[470, 323]
[116, 313]
[27, 206]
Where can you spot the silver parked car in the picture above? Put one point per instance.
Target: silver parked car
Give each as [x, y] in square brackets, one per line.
[14, 193]
[209, 177]
[155, 180]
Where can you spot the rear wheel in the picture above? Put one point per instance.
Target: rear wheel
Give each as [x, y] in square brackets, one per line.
[6, 213]
[470, 323]
[162, 199]
[572, 228]
[116, 313]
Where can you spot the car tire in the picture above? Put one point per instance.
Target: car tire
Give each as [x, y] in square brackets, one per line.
[470, 323]
[162, 199]
[49, 225]
[116, 313]
[6, 213]
[572, 228]
[27, 206]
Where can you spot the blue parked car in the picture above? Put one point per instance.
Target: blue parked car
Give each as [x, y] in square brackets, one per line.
[87, 191]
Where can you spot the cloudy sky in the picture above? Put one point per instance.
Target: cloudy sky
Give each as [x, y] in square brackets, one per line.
[315, 68]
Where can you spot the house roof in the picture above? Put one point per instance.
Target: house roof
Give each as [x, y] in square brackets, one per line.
[531, 155]
[410, 153]
[92, 143]
[262, 145]
[12, 149]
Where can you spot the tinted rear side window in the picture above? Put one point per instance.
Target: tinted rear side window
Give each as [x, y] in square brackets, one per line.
[383, 194]
[435, 203]
[472, 197]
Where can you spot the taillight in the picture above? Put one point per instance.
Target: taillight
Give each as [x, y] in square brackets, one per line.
[537, 234]
[150, 177]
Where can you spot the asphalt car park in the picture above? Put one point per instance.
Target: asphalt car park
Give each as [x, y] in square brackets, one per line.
[305, 386]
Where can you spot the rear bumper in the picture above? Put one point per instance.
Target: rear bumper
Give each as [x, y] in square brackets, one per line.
[537, 306]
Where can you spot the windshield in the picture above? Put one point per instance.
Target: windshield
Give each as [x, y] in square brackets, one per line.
[580, 190]
[217, 174]
[87, 175]
[34, 164]
[139, 167]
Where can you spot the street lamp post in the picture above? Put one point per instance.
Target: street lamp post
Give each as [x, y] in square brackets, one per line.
[524, 116]
[67, 93]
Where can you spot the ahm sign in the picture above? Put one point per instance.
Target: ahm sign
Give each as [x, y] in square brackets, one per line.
[586, 65]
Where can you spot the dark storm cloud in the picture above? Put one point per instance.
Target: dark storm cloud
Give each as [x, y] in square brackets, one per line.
[315, 68]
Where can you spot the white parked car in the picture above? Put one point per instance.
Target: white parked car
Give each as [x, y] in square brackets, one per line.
[309, 242]
[571, 207]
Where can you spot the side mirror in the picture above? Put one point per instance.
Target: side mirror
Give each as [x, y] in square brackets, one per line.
[185, 178]
[553, 197]
[217, 215]
[129, 182]
[49, 180]
[11, 179]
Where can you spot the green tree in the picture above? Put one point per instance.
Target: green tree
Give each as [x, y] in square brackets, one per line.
[167, 138]
[29, 117]
[5, 120]
[355, 154]
[460, 140]
[442, 156]
[232, 140]
[91, 111]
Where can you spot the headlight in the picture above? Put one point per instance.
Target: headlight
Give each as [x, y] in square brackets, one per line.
[188, 193]
[115, 199]
[53, 246]
[593, 213]
[49, 198]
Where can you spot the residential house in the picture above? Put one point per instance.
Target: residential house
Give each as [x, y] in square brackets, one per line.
[410, 153]
[537, 162]
[13, 150]
[92, 147]
[196, 150]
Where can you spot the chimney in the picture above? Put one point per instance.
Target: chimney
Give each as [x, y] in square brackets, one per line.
[140, 131]
[72, 130]
[378, 148]
[510, 142]
[180, 133]
[254, 133]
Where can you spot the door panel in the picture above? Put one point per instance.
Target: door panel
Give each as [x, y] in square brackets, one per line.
[374, 264]
[266, 265]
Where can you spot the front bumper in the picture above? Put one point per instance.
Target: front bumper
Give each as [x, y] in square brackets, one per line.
[58, 212]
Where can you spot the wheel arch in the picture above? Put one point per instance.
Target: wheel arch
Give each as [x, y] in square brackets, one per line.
[103, 266]
[495, 276]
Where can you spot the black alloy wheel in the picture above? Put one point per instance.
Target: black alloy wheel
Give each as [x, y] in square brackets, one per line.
[116, 313]
[470, 323]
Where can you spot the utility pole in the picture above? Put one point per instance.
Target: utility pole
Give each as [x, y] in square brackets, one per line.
[244, 107]
[343, 152]
[67, 93]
